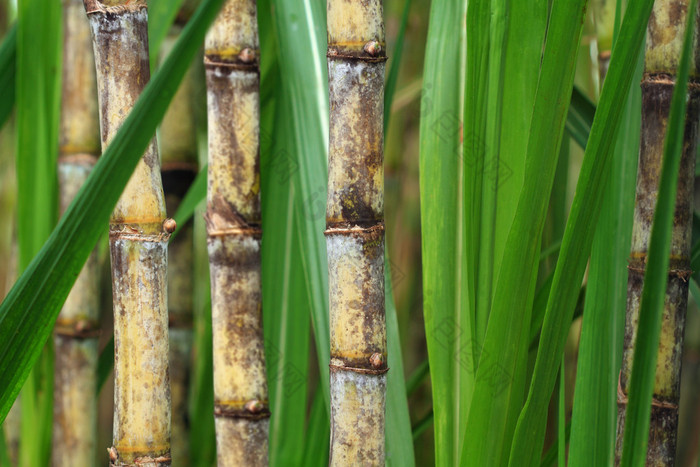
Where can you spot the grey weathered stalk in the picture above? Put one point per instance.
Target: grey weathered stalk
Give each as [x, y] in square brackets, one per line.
[138, 237]
[355, 232]
[664, 41]
[233, 219]
[178, 149]
[77, 326]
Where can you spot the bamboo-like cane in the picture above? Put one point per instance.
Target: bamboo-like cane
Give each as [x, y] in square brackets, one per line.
[355, 232]
[138, 236]
[77, 326]
[178, 148]
[664, 42]
[234, 233]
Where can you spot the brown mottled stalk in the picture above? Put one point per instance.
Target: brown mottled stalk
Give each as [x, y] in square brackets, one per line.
[77, 326]
[234, 233]
[138, 237]
[664, 41]
[355, 232]
[178, 149]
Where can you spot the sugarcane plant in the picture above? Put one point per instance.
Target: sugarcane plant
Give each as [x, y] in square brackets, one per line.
[178, 150]
[138, 238]
[355, 232]
[234, 233]
[77, 326]
[665, 35]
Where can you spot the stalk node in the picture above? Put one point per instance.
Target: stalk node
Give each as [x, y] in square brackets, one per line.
[247, 55]
[364, 371]
[373, 48]
[250, 410]
[254, 406]
[376, 360]
[169, 225]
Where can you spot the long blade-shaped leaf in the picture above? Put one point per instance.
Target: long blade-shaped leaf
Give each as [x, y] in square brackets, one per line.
[301, 26]
[527, 22]
[8, 59]
[634, 445]
[500, 377]
[399, 440]
[395, 57]
[578, 236]
[580, 117]
[28, 312]
[38, 96]
[194, 196]
[447, 328]
[286, 301]
[595, 406]
[161, 14]
[38, 85]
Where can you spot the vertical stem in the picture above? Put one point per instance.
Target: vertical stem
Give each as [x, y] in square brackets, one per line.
[138, 236]
[355, 232]
[664, 42]
[77, 326]
[178, 147]
[241, 405]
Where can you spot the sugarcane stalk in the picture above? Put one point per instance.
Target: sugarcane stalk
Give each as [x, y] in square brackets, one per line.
[234, 233]
[663, 50]
[77, 327]
[178, 149]
[355, 232]
[138, 237]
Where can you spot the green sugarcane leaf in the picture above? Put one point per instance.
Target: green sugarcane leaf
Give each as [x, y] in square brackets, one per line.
[594, 417]
[399, 440]
[37, 121]
[161, 14]
[8, 68]
[578, 236]
[317, 433]
[286, 303]
[549, 459]
[423, 424]
[561, 414]
[203, 438]
[395, 57]
[201, 396]
[105, 364]
[417, 378]
[28, 312]
[446, 327]
[473, 152]
[38, 97]
[580, 117]
[651, 308]
[195, 195]
[502, 370]
[301, 41]
[505, 171]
